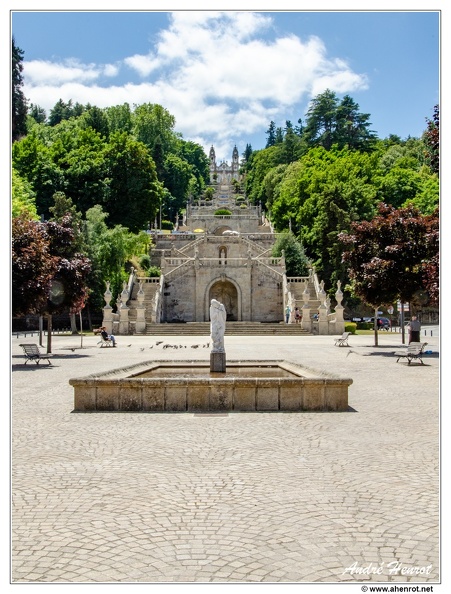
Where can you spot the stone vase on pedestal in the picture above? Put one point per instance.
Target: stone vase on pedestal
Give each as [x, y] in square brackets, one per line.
[140, 311]
[339, 309]
[108, 310]
[306, 323]
[323, 324]
[123, 312]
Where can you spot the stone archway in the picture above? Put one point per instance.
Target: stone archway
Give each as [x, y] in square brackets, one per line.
[226, 293]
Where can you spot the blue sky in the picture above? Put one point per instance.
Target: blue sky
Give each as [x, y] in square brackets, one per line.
[226, 75]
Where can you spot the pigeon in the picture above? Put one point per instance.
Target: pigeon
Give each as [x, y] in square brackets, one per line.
[194, 346]
[141, 349]
[151, 347]
[159, 342]
[129, 345]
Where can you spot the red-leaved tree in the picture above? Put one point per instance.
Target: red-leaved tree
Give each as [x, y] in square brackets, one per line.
[390, 256]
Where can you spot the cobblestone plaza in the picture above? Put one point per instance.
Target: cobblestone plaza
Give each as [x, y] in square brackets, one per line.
[233, 497]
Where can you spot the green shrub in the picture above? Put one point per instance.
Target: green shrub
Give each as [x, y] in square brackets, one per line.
[153, 271]
[243, 206]
[222, 211]
[365, 326]
[167, 225]
[350, 327]
[144, 261]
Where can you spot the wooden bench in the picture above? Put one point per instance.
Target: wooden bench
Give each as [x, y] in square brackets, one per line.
[414, 351]
[32, 353]
[343, 340]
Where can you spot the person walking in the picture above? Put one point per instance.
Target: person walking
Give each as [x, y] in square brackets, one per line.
[414, 330]
[287, 314]
[297, 315]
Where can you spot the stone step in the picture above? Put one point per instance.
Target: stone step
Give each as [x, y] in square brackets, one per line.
[232, 328]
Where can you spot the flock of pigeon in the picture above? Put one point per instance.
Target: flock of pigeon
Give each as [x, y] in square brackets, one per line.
[174, 346]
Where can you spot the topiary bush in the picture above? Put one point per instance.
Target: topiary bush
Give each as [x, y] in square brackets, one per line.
[350, 327]
[222, 212]
[167, 225]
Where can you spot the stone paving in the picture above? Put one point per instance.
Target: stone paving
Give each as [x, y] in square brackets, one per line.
[243, 497]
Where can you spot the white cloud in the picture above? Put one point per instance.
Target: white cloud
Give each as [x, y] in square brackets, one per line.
[143, 65]
[218, 73]
[38, 72]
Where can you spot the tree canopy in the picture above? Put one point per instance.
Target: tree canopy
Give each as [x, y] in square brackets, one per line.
[386, 256]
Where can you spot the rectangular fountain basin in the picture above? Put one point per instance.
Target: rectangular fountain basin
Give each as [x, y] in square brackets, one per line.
[189, 386]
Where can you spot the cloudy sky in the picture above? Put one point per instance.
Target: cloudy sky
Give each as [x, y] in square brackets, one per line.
[226, 75]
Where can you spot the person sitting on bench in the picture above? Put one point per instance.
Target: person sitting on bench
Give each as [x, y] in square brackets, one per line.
[104, 334]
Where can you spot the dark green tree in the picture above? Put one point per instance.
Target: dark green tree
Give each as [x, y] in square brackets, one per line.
[59, 112]
[352, 126]
[37, 113]
[432, 140]
[19, 107]
[95, 118]
[330, 122]
[133, 191]
[176, 179]
[321, 120]
[271, 135]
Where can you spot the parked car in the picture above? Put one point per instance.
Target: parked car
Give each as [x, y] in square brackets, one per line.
[382, 323]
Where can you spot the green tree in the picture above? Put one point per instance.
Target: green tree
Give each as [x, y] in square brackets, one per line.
[321, 120]
[152, 122]
[59, 112]
[18, 101]
[96, 118]
[320, 196]
[176, 178]
[296, 261]
[271, 135]
[37, 113]
[195, 156]
[23, 197]
[330, 122]
[352, 126]
[83, 163]
[133, 190]
[33, 160]
[119, 118]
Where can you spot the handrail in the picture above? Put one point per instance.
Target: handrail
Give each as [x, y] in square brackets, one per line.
[274, 272]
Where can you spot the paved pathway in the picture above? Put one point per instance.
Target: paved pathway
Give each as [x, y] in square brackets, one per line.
[247, 497]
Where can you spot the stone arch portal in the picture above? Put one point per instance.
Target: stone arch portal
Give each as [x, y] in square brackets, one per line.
[226, 293]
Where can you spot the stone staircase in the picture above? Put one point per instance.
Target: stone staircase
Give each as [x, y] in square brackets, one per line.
[232, 329]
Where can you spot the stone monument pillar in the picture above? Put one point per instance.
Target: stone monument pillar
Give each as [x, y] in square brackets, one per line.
[108, 310]
[140, 311]
[306, 322]
[218, 318]
[339, 320]
[323, 323]
[123, 312]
